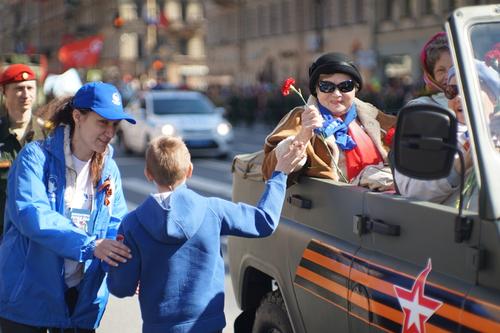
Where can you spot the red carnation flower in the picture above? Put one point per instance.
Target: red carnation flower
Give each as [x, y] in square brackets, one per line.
[285, 90]
[492, 58]
[289, 85]
[389, 136]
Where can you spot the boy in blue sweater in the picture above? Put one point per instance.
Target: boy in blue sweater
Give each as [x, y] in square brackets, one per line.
[174, 237]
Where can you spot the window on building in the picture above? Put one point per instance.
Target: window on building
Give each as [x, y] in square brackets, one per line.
[342, 12]
[406, 8]
[285, 16]
[194, 11]
[173, 10]
[183, 46]
[307, 15]
[327, 14]
[429, 7]
[128, 11]
[274, 19]
[195, 47]
[231, 30]
[386, 10]
[263, 20]
[450, 5]
[128, 46]
[360, 11]
[250, 23]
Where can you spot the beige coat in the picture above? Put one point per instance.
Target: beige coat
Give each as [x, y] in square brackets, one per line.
[320, 153]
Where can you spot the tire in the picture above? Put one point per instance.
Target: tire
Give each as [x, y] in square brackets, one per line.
[244, 322]
[271, 315]
[223, 156]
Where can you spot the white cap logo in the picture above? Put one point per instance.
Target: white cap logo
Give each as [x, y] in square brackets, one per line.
[116, 99]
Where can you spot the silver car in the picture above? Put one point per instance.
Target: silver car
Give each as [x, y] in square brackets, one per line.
[187, 114]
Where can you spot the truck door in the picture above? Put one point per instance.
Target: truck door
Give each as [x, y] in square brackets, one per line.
[417, 279]
[327, 246]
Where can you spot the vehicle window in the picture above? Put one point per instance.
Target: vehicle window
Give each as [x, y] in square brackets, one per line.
[181, 106]
[485, 40]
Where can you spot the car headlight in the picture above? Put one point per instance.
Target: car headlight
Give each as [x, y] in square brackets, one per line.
[223, 129]
[168, 129]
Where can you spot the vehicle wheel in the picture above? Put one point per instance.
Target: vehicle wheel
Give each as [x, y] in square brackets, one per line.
[223, 156]
[271, 316]
[244, 322]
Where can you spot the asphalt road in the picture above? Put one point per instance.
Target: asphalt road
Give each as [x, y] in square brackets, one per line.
[211, 177]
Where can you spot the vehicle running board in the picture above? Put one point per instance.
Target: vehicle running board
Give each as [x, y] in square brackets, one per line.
[364, 224]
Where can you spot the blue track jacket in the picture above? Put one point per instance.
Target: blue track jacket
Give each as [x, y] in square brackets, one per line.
[176, 255]
[38, 238]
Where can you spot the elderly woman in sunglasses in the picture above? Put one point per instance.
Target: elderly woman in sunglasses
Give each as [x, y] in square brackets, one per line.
[343, 134]
[445, 190]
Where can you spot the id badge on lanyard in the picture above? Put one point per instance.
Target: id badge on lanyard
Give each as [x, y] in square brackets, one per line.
[83, 218]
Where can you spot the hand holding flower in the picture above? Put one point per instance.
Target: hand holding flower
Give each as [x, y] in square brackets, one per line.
[311, 119]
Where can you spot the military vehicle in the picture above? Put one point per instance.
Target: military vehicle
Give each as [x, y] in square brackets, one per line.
[345, 259]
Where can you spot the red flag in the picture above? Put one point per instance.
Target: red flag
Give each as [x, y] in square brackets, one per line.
[81, 53]
[163, 21]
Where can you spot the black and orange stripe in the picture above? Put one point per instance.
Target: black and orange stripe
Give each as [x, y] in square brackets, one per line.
[325, 272]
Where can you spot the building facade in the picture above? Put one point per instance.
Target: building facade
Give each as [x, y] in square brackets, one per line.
[269, 40]
[163, 39]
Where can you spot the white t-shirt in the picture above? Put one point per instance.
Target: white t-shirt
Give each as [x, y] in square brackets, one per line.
[79, 203]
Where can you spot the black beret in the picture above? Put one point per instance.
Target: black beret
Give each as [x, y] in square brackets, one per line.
[331, 63]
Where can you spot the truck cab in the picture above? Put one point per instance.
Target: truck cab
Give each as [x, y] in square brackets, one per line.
[346, 259]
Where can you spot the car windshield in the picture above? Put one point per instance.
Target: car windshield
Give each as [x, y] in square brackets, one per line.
[181, 105]
[485, 38]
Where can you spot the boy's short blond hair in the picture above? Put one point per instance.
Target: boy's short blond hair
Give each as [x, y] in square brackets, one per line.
[167, 160]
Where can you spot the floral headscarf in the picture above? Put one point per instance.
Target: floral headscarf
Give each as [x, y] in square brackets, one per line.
[430, 83]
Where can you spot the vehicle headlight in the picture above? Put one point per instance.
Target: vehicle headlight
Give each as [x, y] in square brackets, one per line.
[223, 129]
[168, 129]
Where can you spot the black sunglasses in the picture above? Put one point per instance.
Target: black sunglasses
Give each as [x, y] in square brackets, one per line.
[328, 87]
[451, 91]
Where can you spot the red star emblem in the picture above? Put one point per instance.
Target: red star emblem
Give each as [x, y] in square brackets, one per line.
[417, 308]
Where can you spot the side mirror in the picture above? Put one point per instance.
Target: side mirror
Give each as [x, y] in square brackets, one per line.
[425, 141]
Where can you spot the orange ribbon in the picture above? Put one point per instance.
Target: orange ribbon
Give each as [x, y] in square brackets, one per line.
[106, 186]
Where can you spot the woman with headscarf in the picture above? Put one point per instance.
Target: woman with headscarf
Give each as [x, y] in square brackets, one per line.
[435, 59]
[343, 134]
[445, 190]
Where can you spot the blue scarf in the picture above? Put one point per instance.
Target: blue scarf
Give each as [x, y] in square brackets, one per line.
[337, 127]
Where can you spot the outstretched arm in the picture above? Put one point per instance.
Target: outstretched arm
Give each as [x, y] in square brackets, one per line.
[246, 220]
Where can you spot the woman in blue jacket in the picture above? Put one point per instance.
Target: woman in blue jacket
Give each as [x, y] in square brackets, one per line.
[64, 205]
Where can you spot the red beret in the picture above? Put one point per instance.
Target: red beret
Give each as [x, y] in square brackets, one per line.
[17, 73]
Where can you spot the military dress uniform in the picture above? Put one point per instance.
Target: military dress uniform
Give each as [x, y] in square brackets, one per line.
[10, 144]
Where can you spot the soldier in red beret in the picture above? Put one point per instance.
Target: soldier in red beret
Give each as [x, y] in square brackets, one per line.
[18, 126]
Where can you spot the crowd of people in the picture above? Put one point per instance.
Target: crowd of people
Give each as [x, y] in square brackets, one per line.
[67, 235]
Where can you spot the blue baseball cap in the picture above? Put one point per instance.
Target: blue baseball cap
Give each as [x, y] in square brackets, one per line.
[102, 98]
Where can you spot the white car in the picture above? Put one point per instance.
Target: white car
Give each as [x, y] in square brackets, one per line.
[187, 114]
